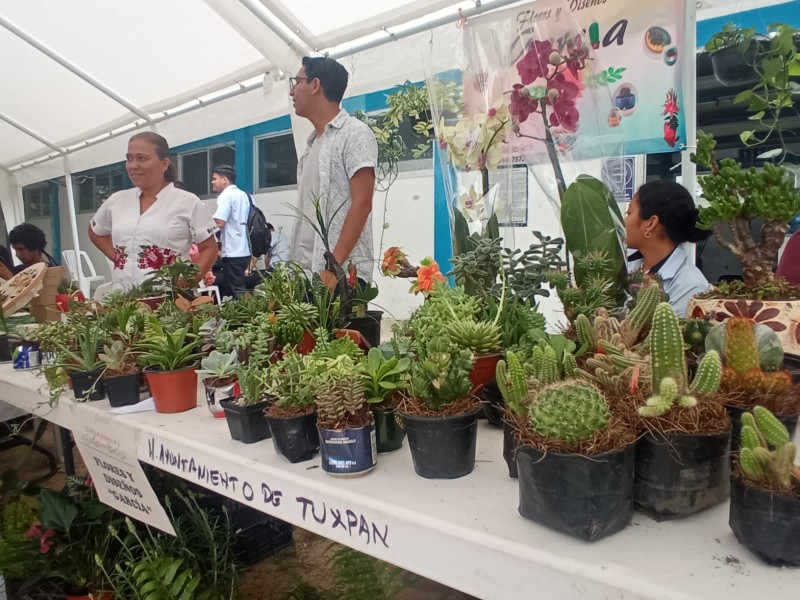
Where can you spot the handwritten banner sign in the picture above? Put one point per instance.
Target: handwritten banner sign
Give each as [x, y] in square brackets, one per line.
[241, 485]
[109, 451]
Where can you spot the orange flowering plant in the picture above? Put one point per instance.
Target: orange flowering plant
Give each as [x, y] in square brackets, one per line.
[395, 264]
[428, 275]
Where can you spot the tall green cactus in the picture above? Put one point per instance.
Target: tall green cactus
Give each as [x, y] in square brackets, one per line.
[767, 454]
[741, 350]
[569, 411]
[511, 380]
[669, 367]
[585, 332]
[769, 348]
[641, 317]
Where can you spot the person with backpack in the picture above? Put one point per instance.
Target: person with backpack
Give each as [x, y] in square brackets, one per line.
[232, 216]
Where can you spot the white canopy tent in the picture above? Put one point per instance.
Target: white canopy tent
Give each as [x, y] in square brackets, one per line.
[81, 75]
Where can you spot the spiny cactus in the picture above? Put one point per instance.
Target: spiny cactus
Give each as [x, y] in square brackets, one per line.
[695, 332]
[585, 332]
[511, 380]
[480, 337]
[544, 367]
[569, 411]
[741, 350]
[641, 317]
[669, 367]
[768, 345]
[767, 454]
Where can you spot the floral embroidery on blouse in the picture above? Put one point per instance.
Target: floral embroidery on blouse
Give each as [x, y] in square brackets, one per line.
[155, 257]
[120, 257]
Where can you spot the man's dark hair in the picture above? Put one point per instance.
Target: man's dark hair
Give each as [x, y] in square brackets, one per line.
[29, 236]
[226, 171]
[270, 227]
[331, 74]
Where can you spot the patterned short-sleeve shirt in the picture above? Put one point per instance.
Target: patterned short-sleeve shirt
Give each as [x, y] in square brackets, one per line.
[347, 146]
[146, 242]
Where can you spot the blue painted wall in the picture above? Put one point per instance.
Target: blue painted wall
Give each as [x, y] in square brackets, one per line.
[759, 18]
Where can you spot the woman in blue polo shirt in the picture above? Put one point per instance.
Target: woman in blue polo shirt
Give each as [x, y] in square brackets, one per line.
[661, 217]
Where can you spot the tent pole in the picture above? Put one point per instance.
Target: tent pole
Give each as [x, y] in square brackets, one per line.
[689, 83]
[73, 221]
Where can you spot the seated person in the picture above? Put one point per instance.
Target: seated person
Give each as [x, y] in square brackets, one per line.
[28, 243]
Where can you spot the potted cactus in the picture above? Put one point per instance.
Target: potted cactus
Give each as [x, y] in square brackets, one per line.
[169, 360]
[765, 490]
[682, 465]
[384, 378]
[440, 416]
[121, 374]
[292, 417]
[752, 356]
[345, 422]
[218, 373]
[245, 413]
[575, 462]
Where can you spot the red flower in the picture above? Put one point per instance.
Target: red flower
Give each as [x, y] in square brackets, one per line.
[521, 105]
[34, 531]
[351, 275]
[671, 107]
[120, 257]
[155, 257]
[536, 62]
[45, 544]
[565, 114]
[670, 135]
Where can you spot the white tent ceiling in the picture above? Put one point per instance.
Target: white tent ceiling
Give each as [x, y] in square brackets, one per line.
[156, 59]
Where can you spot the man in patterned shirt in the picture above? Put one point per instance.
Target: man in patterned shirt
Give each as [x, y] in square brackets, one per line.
[338, 168]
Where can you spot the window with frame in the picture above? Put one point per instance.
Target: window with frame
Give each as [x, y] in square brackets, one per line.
[196, 166]
[276, 161]
[36, 201]
[92, 188]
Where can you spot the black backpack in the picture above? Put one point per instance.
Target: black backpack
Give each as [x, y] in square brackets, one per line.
[259, 235]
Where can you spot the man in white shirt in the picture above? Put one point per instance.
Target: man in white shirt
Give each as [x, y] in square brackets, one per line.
[338, 168]
[279, 247]
[233, 209]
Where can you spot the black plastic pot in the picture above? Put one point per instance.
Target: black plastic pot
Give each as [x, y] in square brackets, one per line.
[247, 423]
[88, 385]
[585, 497]
[442, 447]
[736, 425]
[295, 438]
[122, 390]
[389, 435]
[733, 69]
[492, 403]
[767, 524]
[348, 452]
[510, 447]
[681, 474]
[368, 326]
[5, 349]
[13, 589]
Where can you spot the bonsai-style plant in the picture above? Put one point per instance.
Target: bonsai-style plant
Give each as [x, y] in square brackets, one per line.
[765, 494]
[218, 374]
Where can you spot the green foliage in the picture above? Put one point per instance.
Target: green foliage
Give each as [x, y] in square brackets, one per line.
[517, 320]
[243, 310]
[695, 332]
[527, 271]
[767, 453]
[20, 557]
[339, 391]
[90, 336]
[383, 376]
[593, 226]
[765, 344]
[477, 267]
[171, 350]
[441, 376]
[510, 375]
[479, 337]
[218, 365]
[253, 382]
[569, 411]
[445, 304]
[176, 279]
[65, 286]
[291, 380]
[117, 359]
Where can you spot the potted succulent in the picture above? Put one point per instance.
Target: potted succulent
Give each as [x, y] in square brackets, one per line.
[367, 322]
[345, 423]
[765, 491]
[66, 291]
[169, 360]
[83, 364]
[218, 373]
[575, 462]
[245, 413]
[752, 356]
[384, 379]
[440, 415]
[292, 417]
[120, 374]
[682, 464]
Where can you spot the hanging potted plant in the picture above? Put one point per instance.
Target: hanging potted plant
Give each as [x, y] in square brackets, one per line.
[121, 374]
[752, 356]
[765, 491]
[292, 416]
[344, 420]
[682, 464]
[384, 378]
[245, 413]
[440, 416]
[218, 373]
[169, 360]
[83, 365]
[65, 292]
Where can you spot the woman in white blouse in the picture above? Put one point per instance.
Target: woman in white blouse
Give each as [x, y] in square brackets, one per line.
[154, 223]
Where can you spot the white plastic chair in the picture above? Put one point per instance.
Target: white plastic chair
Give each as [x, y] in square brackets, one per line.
[102, 290]
[73, 265]
[211, 290]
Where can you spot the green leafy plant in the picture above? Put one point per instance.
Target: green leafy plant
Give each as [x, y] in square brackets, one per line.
[66, 286]
[512, 381]
[291, 380]
[117, 359]
[339, 393]
[253, 381]
[218, 368]
[442, 376]
[384, 376]
[171, 350]
[90, 336]
[569, 411]
[526, 272]
[477, 268]
[479, 337]
[21, 556]
[173, 280]
[767, 453]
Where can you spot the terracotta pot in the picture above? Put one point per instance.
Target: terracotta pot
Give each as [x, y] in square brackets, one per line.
[782, 316]
[173, 391]
[307, 343]
[483, 370]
